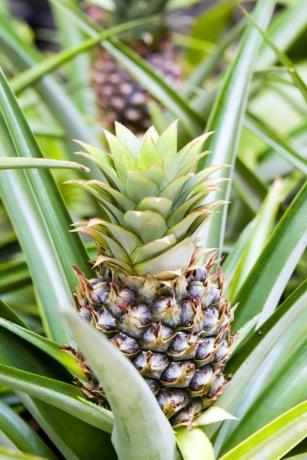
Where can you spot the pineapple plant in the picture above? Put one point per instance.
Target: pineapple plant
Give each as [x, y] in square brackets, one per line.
[152, 295]
[119, 96]
[112, 413]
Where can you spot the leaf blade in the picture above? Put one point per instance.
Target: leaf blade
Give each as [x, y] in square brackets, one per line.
[280, 145]
[194, 444]
[61, 395]
[266, 357]
[131, 440]
[275, 439]
[39, 206]
[227, 114]
[275, 264]
[19, 432]
[263, 226]
[28, 163]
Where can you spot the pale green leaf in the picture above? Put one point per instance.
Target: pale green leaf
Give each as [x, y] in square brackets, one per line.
[139, 187]
[161, 205]
[21, 434]
[127, 138]
[194, 444]
[148, 225]
[267, 355]
[64, 396]
[49, 347]
[228, 112]
[277, 142]
[265, 284]
[35, 163]
[140, 428]
[264, 222]
[152, 249]
[212, 415]
[128, 240]
[275, 439]
[176, 258]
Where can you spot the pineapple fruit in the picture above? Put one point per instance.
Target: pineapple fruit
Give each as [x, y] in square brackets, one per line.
[119, 96]
[152, 296]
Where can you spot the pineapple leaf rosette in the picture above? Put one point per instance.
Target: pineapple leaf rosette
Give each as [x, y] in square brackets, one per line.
[152, 296]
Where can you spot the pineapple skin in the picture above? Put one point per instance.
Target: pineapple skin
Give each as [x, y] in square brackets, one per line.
[177, 336]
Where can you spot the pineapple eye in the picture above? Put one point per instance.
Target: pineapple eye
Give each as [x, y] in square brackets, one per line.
[202, 380]
[126, 344]
[171, 401]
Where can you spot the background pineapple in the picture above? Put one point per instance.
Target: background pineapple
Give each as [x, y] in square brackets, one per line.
[151, 296]
[119, 96]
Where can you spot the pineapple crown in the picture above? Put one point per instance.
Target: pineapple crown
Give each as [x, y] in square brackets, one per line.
[153, 202]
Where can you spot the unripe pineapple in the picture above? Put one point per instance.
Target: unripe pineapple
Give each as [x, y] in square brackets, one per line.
[151, 295]
[119, 96]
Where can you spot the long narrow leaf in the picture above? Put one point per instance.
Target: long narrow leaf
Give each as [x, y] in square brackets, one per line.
[233, 258]
[263, 226]
[20, 433]
[297, 457]
[207, 65]
[276, 142]
[25, 56]
[13, 275]
[282, 57]
[36, 163]
[268, 357]
[267, 280]
[49, 347]
[271, 164]
[32, 75]
[289, 383]
[239, 356]
[282, 33]
[10, 454]
[275, 439]
[78, 70]
[62, 395]
[72, 436]
[23, 210]
[249, 186]
[194, 444]
[40, 205]
[42, 130]
[7, 313]
[227, 115]
[140, 428]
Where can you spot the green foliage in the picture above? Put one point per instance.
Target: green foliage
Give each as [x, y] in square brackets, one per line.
[275, 439]
[247, 87]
